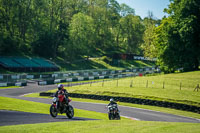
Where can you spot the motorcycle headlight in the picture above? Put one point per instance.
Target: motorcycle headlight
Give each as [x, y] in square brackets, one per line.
[54, 99]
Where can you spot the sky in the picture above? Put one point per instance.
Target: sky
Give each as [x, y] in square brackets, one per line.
[143, 6]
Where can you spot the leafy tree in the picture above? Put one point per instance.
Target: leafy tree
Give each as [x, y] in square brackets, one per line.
[7, 44]
[68, 28]
[178, 36]
[126, 10]
[45, 45]
[131, 33]
[148, 46]
[81, 34]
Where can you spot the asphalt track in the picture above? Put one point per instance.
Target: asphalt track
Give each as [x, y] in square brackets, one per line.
[15, 118]
[129, 112]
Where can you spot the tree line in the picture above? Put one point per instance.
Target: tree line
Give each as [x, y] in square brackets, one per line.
[176, 41]
[68, 28]
[72, 29]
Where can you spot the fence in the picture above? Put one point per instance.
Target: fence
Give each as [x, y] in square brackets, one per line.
[145, 82]
[74, 75]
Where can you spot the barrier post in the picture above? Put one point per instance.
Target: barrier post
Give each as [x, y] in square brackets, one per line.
[197, 88]
[147, 84]
[163, 84]
[131, 85]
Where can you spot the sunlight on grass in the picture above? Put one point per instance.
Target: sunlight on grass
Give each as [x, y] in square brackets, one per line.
[105, 126]
[171, 87]
[35, 107]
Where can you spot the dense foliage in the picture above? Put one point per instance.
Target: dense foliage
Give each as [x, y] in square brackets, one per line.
[71, 29]
[68, 28]
[176, 41]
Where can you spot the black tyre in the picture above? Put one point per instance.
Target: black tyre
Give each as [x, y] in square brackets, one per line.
[53, 111]
[110, 116]
[118, 116]
[70, 112]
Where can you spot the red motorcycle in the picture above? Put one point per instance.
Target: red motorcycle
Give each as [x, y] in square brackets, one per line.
[59, 105]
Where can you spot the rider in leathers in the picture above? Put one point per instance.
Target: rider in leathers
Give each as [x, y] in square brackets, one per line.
[61, 90]
[112, 102]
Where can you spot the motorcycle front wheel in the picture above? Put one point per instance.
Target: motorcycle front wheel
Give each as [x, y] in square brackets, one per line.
[53, 111]
[110, 116]
[70, 112]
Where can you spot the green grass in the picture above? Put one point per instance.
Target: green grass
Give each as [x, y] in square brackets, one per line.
[99, 126]
[105, 126]
[154, 90]
[9, 87]
[171, 92]
[35, 107]
[22, 105]
[100, 63]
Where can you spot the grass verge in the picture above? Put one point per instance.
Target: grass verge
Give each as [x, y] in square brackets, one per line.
[9, 87]
[35, 107]
[104, 125]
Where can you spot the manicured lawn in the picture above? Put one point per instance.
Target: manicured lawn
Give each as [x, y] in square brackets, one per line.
[35, 107]
[9, 87]
[177, 88]
[98, 126]
[105, 126]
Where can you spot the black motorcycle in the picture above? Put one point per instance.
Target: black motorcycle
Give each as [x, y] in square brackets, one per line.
[60, 106]
[113, 112]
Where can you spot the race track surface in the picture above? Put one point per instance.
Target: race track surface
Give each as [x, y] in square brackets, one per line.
[130, 112]
[15, 118]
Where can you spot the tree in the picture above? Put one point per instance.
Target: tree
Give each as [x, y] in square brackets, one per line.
[81, 34]
[148, 46]
[131, 33]
[45, 45]
[179, 44]
[126, 10]
[68, 28]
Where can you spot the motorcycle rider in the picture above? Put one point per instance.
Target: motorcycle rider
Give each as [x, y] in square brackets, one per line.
[112, 102]
[113, 111]
[63, 91]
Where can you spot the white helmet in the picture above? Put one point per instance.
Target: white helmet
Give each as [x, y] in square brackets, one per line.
[111, 100]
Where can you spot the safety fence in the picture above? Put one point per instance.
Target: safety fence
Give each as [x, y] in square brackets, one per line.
[147, 82]
[45, 79]
[178, 106]
[13, 84]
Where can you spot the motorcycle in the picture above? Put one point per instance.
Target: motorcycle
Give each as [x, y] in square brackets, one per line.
[59, 105]
[113, 112]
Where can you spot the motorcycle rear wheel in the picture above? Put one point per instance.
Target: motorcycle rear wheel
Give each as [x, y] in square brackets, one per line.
[53, 111]
[118, 116]
[70, 112]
